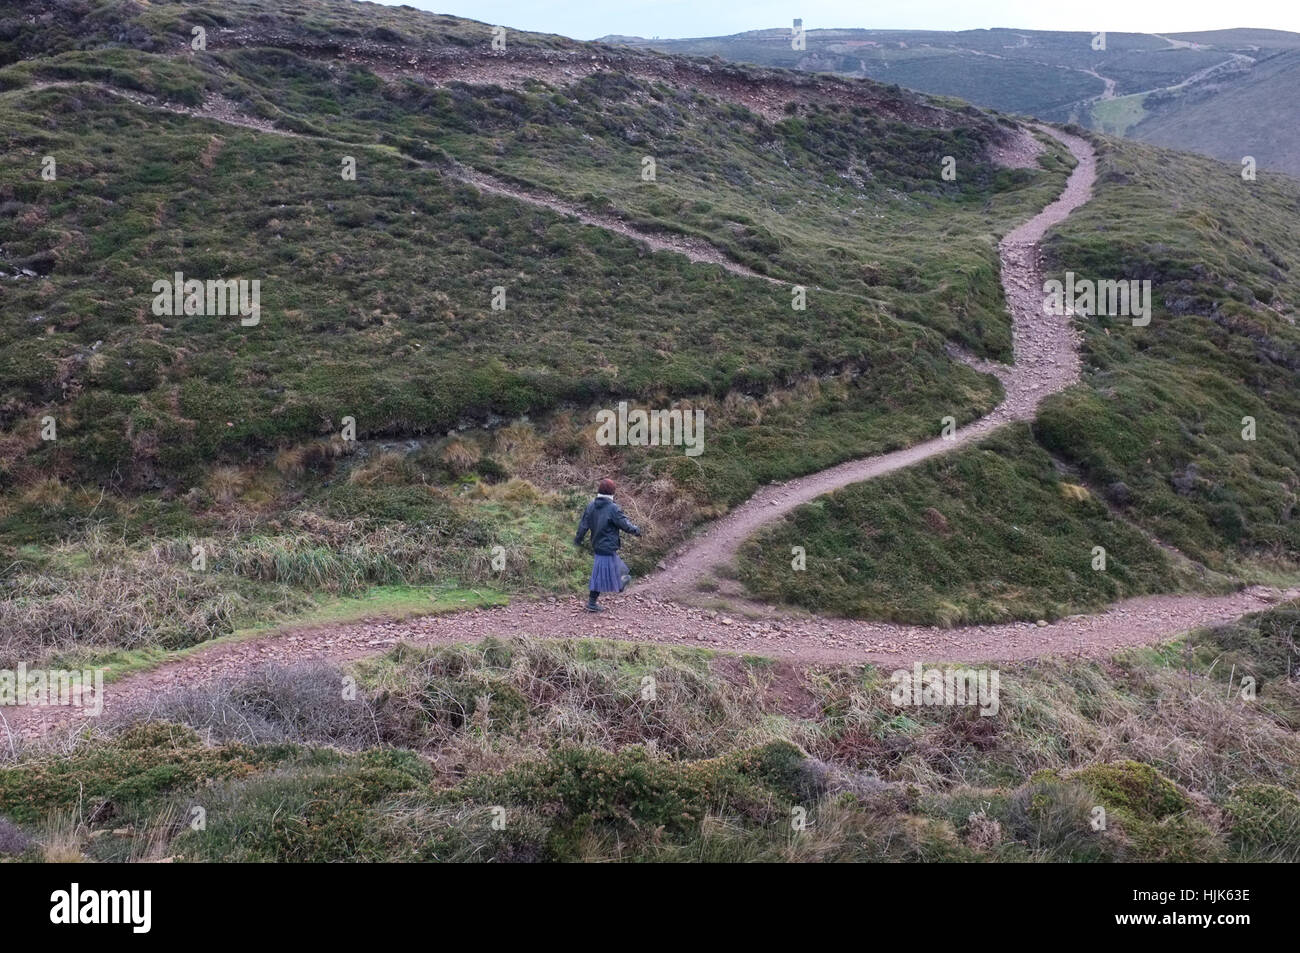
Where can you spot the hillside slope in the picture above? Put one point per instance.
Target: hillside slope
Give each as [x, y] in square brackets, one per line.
[406, 430]
[474, 427]
[1248, 113]
[1226, 94]
[476, 171]
[1185, 427]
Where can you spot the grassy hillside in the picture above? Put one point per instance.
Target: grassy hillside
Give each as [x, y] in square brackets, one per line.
[563, 747]
[1055, 62]
[171, 480]
[32, 30]
[1163, 412]
[475, 428]
[984, 535]
[1152, 439]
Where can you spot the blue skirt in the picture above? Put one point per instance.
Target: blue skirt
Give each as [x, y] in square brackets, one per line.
[608, 574]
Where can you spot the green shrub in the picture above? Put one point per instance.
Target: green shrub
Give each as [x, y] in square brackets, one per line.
[312, 815]
[584, 788]
[1154, 817]
[141, 767]
[1137, 789]
[1265, 821]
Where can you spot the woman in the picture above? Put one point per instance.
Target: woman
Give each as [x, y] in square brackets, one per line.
[603, 519]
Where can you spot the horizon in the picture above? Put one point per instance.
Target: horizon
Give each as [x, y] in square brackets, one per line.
[985, 29]
[676, 19]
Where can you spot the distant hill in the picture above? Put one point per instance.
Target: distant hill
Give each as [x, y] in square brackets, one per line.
[1253, 113]
[1225, 93]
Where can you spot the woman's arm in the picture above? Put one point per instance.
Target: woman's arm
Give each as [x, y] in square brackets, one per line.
[621, 521]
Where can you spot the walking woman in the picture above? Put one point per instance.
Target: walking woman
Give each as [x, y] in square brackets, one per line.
[604, 520]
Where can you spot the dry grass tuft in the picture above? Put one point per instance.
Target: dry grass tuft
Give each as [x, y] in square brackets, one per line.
[225, 484]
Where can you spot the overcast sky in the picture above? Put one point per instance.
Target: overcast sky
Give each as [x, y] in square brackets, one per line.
[588, 19]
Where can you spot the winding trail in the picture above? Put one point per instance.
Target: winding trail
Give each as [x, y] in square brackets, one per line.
[636, 618]
[1046, 361]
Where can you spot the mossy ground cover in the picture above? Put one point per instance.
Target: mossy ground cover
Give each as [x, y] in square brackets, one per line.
[985, 535]
[562, 742]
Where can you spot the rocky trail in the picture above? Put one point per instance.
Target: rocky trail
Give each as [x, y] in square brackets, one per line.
[639, 618]
[1046, 361]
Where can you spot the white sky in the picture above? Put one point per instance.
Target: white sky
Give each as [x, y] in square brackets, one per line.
[588, 19]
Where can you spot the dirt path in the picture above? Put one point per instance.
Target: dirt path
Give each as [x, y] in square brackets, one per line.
[638, 618]
[1109, 91]
[1234, 62]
